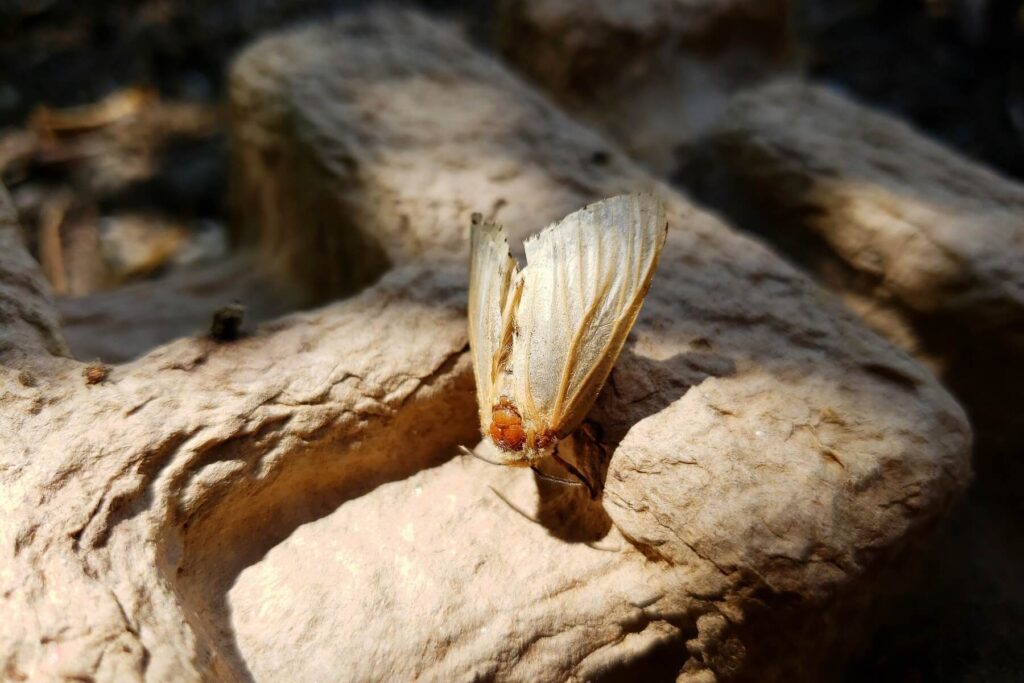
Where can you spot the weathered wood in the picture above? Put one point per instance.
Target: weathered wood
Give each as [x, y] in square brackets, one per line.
[127, 503]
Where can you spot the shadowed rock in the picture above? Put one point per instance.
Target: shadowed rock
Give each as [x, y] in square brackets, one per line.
[653, 74]
[927, 246]
[287, 506]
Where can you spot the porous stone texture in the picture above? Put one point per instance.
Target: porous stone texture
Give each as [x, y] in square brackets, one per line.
[653, 74]
[290, 506]
[926, 245]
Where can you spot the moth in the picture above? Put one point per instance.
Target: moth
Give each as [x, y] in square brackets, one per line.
[545, 337]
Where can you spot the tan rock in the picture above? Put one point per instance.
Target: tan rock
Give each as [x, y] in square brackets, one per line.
[653, 74]
[747, 404]
[925, 244]
[287, 507]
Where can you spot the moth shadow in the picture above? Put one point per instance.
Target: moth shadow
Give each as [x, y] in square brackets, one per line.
[637, 388]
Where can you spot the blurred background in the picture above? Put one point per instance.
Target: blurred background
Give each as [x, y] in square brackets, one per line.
[112, 121]
[114, 147]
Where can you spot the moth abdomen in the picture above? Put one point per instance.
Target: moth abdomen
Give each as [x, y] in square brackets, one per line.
[506, 429]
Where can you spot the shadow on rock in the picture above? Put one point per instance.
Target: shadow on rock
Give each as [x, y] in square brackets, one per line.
[637, 388]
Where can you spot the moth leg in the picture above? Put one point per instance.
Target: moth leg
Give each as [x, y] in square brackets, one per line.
[593, 430]
[583, 481]
[557, 480]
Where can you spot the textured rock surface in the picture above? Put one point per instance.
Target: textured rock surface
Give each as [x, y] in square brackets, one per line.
[652, 73]
[286, 507]
[926, 245]
[129, 506]
[773, 457]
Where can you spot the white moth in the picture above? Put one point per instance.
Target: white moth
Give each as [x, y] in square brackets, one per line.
[545, 338]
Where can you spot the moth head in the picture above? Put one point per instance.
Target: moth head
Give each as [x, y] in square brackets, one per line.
[506, 430]
[520, 444]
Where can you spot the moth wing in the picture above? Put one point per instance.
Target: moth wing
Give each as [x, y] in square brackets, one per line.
[491, 273]
[582, 288]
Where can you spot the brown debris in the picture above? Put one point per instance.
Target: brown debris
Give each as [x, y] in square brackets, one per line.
[227, 322]
[110, 110]
[68, 163]
[95, 372]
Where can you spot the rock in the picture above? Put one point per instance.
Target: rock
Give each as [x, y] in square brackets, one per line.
[288, 505]
[653, 74]
[122, 324]
[131, 505]
[736, 417]
[925, 244]
[28, 324]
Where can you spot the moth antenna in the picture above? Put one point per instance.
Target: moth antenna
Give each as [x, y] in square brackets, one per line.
[547, 477]
[512, 505]
[557, 480]
[466, 451]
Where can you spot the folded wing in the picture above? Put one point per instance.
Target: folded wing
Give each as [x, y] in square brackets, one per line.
[491, 310]
[582, 288]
